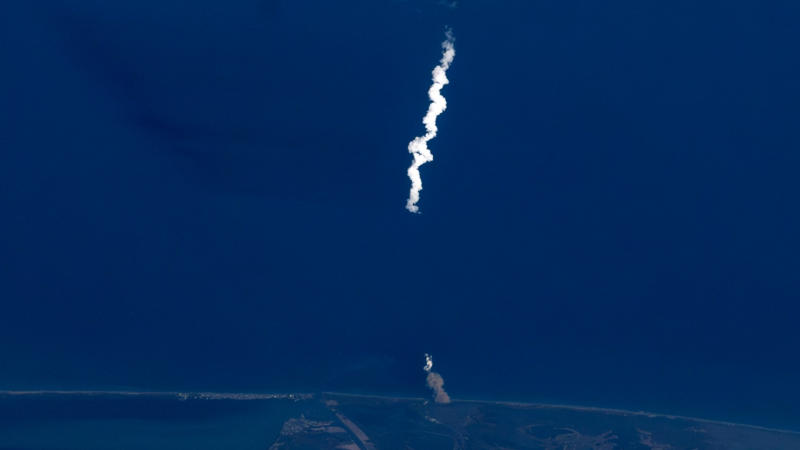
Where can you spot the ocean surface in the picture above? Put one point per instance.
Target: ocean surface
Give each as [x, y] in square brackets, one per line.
[210, 196]
[93, 421]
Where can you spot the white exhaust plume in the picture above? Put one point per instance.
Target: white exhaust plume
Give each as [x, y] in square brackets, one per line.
[419, 146]
[435, 382]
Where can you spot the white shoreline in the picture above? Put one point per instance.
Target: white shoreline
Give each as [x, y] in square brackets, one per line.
[307, 396]
[582, 408]
[179, 394]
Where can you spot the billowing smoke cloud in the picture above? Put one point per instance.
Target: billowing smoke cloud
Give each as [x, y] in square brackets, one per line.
[419, 146]
[435, 382]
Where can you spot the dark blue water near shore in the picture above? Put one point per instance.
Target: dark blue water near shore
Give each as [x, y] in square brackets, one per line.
[198, 195]
[157, 422]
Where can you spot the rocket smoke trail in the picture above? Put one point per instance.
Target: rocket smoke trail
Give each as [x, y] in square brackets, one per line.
[419, 146]
[435, 382]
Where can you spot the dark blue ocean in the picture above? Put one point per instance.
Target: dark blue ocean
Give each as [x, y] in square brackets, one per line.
[201, 195]
[102, 422]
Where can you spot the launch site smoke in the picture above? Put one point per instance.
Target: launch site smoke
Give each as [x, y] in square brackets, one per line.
[419, 146]
[435, 382]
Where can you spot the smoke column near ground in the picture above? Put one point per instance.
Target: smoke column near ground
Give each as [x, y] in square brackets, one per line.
[435, 382]
[419, 146]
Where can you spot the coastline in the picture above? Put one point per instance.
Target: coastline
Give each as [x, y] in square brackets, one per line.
[188, 395]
